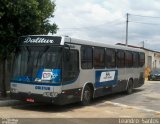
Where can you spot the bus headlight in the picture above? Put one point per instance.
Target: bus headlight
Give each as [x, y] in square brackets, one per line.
[38, 80]
[50, 94]
[13, 90]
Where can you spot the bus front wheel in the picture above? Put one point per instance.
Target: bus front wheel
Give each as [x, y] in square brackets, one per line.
[87, 96]
[130, 87]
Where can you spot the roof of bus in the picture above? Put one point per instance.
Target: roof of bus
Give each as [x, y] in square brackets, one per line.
[100, 44]
[67, 39]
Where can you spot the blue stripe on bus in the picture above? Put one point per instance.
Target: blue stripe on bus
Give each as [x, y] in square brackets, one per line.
[35, 83]
[98, 75]
[48, 84]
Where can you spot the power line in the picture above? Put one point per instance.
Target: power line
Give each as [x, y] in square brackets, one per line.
[145, 23]
[88, 27]
[145, 16]
[111, 23]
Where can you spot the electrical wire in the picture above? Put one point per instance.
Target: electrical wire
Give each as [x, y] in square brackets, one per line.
[145, 23]
[145, 16]
[95, 26]
[142, 22]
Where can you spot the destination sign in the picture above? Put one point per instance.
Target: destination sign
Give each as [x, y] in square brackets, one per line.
[40, 40]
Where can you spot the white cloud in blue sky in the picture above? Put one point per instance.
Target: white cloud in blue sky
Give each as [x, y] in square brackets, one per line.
[104, 20]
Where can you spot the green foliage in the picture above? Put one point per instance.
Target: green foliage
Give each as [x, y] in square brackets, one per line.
[24, 17]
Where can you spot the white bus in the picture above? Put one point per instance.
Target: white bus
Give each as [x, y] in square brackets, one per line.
[62, 70]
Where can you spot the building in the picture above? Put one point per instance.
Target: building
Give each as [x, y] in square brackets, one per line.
[152, 58]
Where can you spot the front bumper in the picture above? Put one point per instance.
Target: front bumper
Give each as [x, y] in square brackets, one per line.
[60, 99]
[36, 97]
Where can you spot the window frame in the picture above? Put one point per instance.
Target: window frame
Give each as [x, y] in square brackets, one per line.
[128, 64]
[135, 60]
[63, 69]
[111, 50]
[101, 64]
[119, 64]
[85, 60]
[141, 64]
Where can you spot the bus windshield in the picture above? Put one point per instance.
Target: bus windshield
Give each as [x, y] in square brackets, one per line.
[31, 61]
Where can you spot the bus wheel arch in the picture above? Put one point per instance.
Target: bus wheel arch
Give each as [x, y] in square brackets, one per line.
[130, 86]
[87, 93]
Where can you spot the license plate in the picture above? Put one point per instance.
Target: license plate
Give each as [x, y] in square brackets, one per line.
[30, 100]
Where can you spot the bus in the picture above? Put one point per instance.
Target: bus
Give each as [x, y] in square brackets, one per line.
[62, 70]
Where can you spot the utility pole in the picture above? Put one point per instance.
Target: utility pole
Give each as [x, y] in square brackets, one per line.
[127, 30]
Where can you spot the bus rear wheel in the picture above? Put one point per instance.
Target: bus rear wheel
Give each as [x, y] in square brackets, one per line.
[87, 96]
[129, 87]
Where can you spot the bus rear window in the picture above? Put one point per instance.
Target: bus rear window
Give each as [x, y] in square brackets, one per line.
[141, 59]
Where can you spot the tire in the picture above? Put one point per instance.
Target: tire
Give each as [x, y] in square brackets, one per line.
[87, 96]
[129, 87]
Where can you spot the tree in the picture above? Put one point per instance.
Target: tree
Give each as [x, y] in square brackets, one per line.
[23, 17]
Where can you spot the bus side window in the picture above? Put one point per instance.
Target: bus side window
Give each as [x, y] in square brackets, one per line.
[128, 59]
[86, 57]
[99, 57]
[70, 65]
[135, 59]
[120, 59]
[110, 58]
[141, 59]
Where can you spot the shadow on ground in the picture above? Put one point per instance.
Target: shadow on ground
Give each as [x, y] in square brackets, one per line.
[57, 108]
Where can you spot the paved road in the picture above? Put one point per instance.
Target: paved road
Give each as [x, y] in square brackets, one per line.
[144, 102]
[147, 97]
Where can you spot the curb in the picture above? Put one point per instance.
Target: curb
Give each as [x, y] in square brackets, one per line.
[4, 103]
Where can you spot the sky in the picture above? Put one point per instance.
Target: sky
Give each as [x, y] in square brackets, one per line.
[105, 21]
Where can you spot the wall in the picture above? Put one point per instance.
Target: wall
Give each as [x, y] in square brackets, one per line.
[8, 69]
[152, 61]
[155, 59]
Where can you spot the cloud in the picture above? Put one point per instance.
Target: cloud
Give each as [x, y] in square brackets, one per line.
[104, 20]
